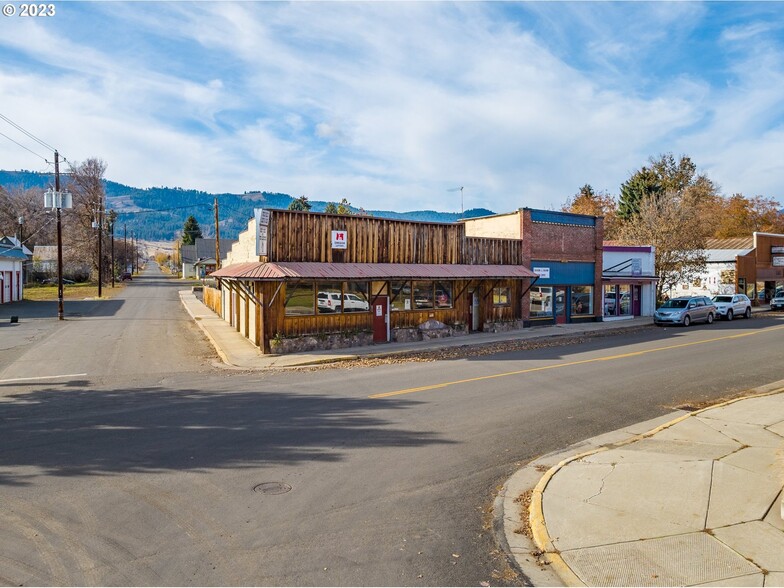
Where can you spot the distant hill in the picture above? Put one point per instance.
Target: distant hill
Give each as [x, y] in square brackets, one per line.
[157, 214]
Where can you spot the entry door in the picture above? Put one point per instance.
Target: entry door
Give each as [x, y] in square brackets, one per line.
[560, 306]
[475, 318]
[636, 300]
[381, 319]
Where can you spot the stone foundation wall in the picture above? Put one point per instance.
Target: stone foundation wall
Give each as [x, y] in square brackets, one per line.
[502, 327]
[325, 342]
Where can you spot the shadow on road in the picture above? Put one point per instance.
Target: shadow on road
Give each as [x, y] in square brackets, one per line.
[27, 309]
[70, 431]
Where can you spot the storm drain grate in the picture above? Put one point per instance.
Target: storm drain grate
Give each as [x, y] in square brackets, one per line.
[272, 488]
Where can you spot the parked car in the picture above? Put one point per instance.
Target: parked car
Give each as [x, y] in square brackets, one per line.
[731, 305]
[354, 303]
[777, 302]
[328, 301]
[126, 276]
[685, 310]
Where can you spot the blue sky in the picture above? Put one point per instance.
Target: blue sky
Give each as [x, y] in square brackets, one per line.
[392, 104]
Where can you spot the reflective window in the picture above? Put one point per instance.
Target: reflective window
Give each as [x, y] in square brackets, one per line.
[541, 301]
[356, 297]
[329, 299]
[423, 295]
[625, 296]
[582, 300]
[443, 294]
[610, 301]
[400, 295]
[299, 299]
[501, 296]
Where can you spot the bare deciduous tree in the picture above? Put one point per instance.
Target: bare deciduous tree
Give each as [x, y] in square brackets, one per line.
[671, 222]
[89, 198]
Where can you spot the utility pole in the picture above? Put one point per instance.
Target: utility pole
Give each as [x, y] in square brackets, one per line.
[125, 247]
[99, 224]
[60, 315]
[112, 217]
[217, 237]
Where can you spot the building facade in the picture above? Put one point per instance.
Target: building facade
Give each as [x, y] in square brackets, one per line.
[12, 259]
[628, 281]
[564, 250]
[303, 280]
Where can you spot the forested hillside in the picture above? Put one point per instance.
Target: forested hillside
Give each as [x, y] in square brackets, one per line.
[157, 214]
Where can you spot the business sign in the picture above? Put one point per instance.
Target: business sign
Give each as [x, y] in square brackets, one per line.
[542, 272]
[636, 266]
[777, 249]
[262, 229]
[339, 240]
[778, 261]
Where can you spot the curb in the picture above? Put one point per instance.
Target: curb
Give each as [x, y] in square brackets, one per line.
[541, 536]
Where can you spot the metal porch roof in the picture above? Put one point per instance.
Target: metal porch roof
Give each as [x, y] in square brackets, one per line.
[300, 270]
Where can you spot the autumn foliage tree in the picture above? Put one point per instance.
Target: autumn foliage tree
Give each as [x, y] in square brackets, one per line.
[588, 201]
[740, 217]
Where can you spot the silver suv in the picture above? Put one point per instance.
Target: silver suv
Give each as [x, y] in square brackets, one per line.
[685, 310]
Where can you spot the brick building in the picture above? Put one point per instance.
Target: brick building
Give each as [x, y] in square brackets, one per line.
[564, 250]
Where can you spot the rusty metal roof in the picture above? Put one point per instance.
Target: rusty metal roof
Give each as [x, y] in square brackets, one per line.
[301, 270]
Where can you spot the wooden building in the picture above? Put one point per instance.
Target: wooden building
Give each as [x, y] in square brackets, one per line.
[303, 280]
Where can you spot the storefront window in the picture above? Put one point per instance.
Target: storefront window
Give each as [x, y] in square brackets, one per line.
[423, 295]
[355, 297]
[610, 301]
[501, 297]
[400, 295]
[443, 294]
[299, 300]
[329, 299]
[582, 300]
[625, 297]
[541, 301]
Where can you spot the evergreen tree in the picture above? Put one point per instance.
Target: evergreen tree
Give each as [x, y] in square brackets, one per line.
[643, 184]
[300, 203]
[191, 231]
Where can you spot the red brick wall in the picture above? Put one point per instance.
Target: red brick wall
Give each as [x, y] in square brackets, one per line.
[563, 242]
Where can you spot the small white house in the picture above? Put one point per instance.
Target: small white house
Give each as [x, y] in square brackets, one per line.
[628, 281]
[12, 259]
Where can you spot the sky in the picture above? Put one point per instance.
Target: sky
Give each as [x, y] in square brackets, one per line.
[394, 105]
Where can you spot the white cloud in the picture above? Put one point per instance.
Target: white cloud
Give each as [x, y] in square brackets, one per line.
[391, 104]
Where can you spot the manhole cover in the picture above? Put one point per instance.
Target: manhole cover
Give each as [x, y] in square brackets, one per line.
[272, 488]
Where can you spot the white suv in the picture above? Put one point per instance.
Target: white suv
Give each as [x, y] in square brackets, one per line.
[778, 301]
[328, 301]
[729, 306]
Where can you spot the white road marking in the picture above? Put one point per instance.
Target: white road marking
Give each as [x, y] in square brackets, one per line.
[41, 378]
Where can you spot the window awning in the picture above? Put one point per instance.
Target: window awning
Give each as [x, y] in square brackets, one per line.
[301, 270]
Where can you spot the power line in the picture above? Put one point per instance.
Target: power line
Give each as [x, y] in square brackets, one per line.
[28, 133]
[25, 148]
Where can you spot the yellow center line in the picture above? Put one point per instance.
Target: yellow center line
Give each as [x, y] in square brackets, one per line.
[569, 364]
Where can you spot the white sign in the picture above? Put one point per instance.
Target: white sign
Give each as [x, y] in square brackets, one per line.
[261, 240]
[542, 272]
[778, 261]
[777, 249]
[339, 240]
[264, 216]
[379, 310]
[636, 266]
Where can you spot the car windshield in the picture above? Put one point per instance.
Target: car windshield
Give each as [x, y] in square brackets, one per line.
[675, 304]
[722, 298]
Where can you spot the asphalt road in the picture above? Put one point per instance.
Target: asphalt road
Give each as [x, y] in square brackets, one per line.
[126, 457]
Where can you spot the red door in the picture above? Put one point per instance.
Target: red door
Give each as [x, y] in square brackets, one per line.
[560, 306]
[381, 319]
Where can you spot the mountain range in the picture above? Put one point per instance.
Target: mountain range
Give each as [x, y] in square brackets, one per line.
[158, 214]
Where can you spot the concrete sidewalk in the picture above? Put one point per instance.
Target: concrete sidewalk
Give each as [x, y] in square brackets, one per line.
[236, 351]
[691, 499]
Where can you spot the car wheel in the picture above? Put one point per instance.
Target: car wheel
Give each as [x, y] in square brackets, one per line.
[747, 314]
[729, 315]
[686, 320]
[710, 318]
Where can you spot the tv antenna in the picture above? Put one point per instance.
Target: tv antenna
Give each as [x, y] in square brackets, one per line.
[461, 198]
